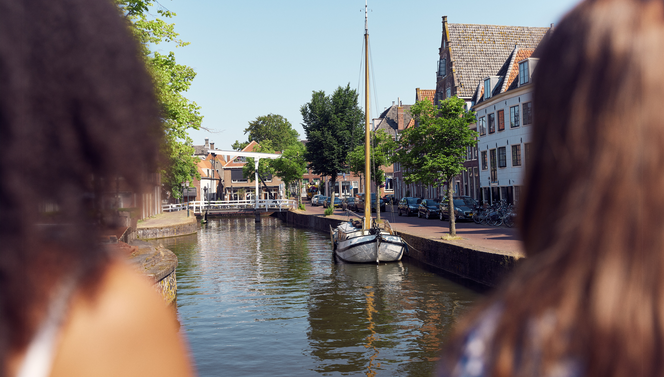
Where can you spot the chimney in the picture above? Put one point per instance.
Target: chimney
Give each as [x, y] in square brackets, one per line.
[207, 143]
[400, 125]
[211, 145]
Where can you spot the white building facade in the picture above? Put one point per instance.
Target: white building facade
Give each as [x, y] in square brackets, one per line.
[504, 122]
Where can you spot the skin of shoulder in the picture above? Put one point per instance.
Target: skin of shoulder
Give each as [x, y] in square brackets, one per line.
[126, 330]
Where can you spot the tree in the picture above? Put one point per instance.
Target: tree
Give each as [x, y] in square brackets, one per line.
[265, 168]
[382, 147]
[334, 126]
[433, 152]
[291, 167]
[271, 127]
[171, 80]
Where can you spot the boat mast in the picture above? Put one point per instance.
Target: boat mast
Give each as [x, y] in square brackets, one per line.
[367, 136]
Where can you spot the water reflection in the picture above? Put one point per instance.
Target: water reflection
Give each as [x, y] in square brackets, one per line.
[267, 299]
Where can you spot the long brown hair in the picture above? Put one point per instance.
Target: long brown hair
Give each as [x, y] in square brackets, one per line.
[76, 107]
[592, 218]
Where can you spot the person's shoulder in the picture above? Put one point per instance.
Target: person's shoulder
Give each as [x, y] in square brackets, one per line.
[126, 329]
[475, 346]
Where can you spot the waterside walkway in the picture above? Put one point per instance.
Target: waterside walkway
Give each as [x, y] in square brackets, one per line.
[499, 240]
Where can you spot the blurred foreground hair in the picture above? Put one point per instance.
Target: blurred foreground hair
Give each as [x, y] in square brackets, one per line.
[77, 109]
[592, 218]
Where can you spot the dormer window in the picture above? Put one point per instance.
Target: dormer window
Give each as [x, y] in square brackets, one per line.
[524, 73]
[442, 67]
[487, 88]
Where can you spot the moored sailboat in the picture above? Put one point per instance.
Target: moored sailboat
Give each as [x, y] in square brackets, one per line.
[369, 243]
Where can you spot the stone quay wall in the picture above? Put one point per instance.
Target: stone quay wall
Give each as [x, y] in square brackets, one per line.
[158, 264]
[486, 267]
[166, 231]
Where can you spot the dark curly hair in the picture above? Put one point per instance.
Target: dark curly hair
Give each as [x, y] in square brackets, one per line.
[77, 109]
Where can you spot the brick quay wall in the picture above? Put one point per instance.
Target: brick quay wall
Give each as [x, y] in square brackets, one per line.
[483, 266]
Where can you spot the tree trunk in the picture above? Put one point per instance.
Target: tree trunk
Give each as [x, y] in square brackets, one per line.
[333, 184]
[298, 192]
[450, 200]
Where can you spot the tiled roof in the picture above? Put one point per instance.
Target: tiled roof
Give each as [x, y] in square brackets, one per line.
[249, 148]
[203, 166]
[389, 119]
[478, 51]
[425, 94]
[508, 73]
[513, 70]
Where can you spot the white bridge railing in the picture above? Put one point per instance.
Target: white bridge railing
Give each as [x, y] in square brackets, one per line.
[220, 205]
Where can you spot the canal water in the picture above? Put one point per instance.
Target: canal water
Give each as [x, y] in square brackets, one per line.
[269, 300]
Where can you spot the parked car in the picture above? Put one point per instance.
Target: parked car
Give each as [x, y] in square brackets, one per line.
[349, 203]
[388, 199]
[337, 202]
[408, 206]
[463, 208]
[322, 200]
[359, 202]
[314, 200]
[428, 208]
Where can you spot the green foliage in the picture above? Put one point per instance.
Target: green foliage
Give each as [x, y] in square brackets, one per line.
[382, 147]
[239, 146]
[301, 207]
[171, 80]
[433, 152]
[264, 164]
[292, 165]
[334, 127]
[329, 211]
[272, 127]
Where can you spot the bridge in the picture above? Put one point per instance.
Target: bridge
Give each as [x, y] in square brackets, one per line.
[229, 206]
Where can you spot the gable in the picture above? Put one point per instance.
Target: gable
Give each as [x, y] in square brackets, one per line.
[478, 51]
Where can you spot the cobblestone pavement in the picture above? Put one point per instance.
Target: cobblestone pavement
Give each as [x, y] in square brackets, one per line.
[496, 239]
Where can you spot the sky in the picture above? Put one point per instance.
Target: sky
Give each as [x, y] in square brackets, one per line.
[261, 57]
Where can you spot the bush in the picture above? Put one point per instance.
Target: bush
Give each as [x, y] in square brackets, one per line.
[329, 211]
[301, 207]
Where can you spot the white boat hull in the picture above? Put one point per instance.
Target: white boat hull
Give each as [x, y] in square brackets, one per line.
[360, 246]
[390, 248]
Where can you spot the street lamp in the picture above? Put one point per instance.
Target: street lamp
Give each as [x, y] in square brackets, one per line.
[214, 156]
[205, 195]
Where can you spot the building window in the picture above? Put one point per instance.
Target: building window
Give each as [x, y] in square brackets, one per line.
[517, 194]
[527, 113]
[487, 88]
[448, 92]
[494, 165]
[492, 123]
[484, 163]
[527, 153]
[516, 155]
[482, 126]
[514, 116]
[501, 120]
[502, 157]
[442, 67]
[523, 73]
